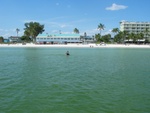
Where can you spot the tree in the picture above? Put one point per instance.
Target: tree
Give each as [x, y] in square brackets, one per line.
[1, 39]
[97, 37]
[17, 30]
[128, 37]
[115, 30]
[118, 38]
[106, 38]
[146, 34]
[100, 27]
[26, 39]
[139, 36]
[133, 37]
[125, 34]
[76, 31]
[33, 29]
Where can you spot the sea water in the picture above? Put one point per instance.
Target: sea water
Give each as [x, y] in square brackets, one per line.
[90, 80]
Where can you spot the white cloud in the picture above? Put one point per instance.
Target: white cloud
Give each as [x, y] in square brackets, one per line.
[116, 7]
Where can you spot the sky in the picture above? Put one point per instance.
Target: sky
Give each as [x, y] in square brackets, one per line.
[65, 15]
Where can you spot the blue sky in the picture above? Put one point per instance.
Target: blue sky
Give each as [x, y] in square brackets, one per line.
[65, 15]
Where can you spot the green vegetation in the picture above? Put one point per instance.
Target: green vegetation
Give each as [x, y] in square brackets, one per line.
[17, 30]
[26, 38]
[115, 30]
[32, 30]
[122, 36]
[147, 34]
[104, 38]
[1, 39]
[76, 31]
[101, 27]
[99, 38]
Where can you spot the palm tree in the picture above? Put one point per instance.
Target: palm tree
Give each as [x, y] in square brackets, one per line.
[100, 27]
[139, 36]
[1, 39]
[115, 30]
[118, 38]
[125, 33]
[17, 30]
[146, 33]
[97, 37]
[133, 36]
[76, 31]
[130, 36]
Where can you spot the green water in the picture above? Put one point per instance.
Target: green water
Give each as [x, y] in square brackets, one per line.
[90, 80]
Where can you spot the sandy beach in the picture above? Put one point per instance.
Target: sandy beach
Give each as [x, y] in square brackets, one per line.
[78, 45]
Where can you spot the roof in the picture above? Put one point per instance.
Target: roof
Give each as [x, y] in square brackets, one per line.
[14, 37]
[58, 35]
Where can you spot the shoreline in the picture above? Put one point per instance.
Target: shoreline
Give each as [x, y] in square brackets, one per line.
[78, 45]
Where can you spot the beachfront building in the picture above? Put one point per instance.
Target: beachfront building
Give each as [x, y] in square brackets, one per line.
[14, 39]
[6, 40]
[58, 38]
[87, 39]
[136, 28]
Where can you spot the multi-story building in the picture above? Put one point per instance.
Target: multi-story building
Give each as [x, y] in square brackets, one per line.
[136, 27]
[58, 38]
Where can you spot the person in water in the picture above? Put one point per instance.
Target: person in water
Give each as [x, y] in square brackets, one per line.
[67, 53]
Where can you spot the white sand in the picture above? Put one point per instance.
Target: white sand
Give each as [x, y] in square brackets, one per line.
[79, 45]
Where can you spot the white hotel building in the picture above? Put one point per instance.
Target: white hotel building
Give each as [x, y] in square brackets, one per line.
[58, 38]
[135, 27]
